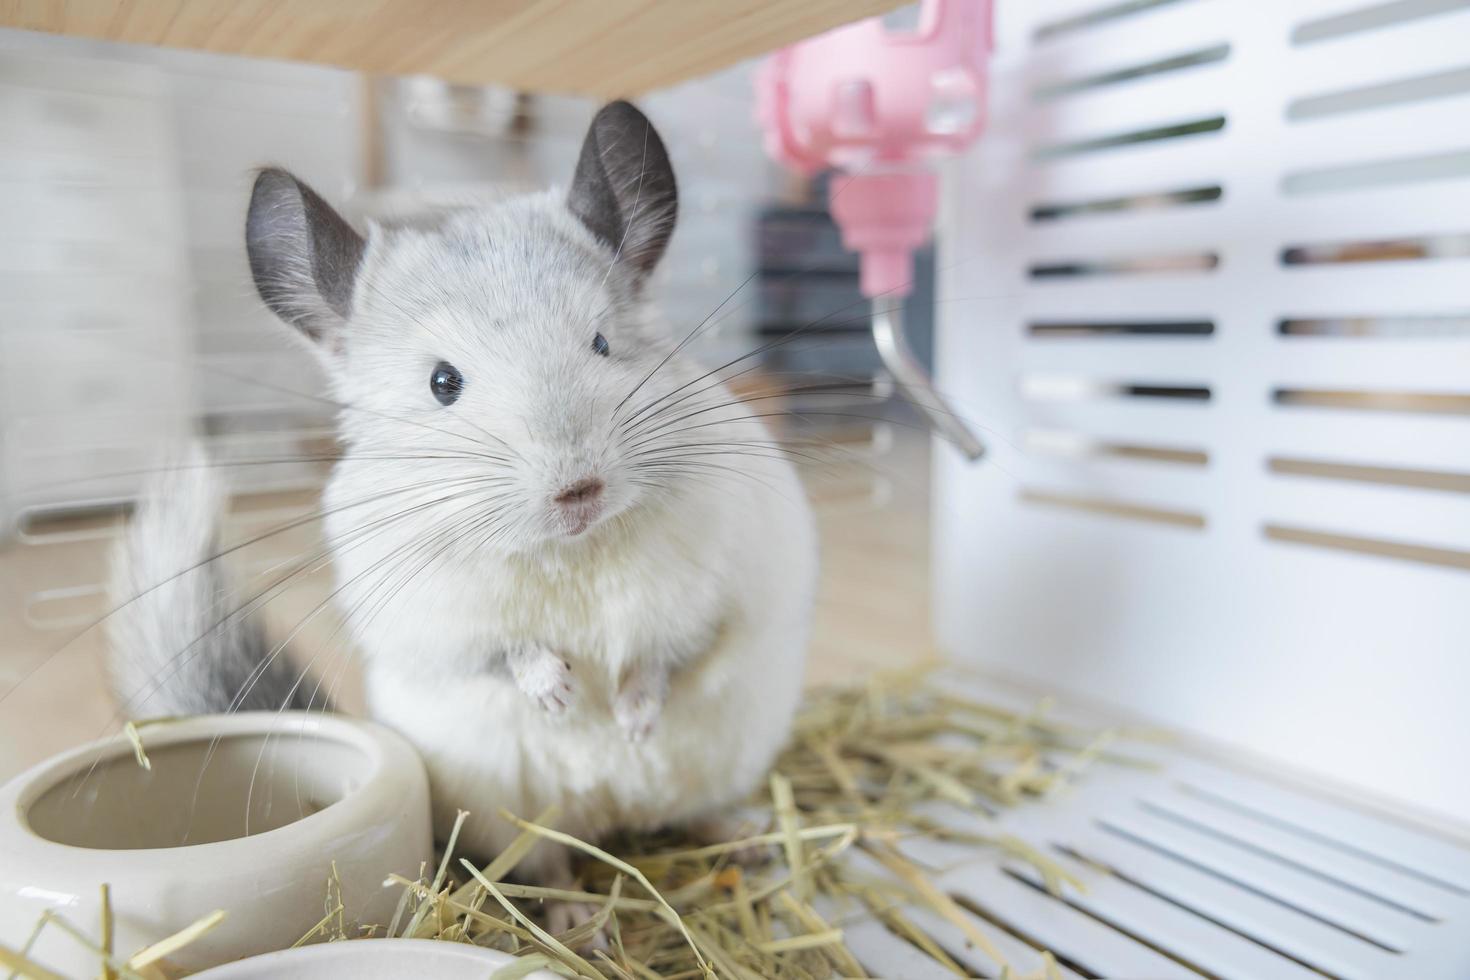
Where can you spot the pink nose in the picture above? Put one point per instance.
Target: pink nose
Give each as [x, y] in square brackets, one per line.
[582, 492]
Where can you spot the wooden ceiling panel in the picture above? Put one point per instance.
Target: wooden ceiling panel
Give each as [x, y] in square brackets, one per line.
[602, 48]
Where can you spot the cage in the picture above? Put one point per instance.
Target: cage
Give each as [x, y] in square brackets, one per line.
[1203, 287]
[1211, 257]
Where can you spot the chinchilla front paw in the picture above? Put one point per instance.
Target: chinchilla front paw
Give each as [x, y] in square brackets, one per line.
[640, 701]
[544, 676]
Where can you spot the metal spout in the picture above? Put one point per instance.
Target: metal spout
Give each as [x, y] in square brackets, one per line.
[899, 358]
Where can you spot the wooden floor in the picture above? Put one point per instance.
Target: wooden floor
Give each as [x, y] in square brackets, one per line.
[872, 608]
[873, 603]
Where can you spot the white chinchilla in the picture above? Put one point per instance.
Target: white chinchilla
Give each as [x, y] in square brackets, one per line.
[579, 571]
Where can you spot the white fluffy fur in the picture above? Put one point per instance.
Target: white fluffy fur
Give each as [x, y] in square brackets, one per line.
[703, 573]
[180, 640]
[639, 671]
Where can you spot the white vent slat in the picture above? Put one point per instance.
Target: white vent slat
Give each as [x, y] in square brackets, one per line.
[1108, 449]
[1057, 189]
[1408, 287]
[1082, 63]
[1390, 886]
[1175, 360]
[1197, 941]
[1199, 899]
[1374, 213]
[1383, 16]
[1159, 424]
[1153, 101]
[1098, 69]
[1288, 930]
[1182, 899]
[1103, 537]
[1390, 513]
[1413, 47]
[881, 953]
[1317, 899]
[1383, 180]
[1402, 131]
[1162, 163]
[1421, 365]
[1135, 37]
[1391, 287]
[1154, 294]
[1427, 854]
[1020, 957]
[1182, 229]
[1171, 487]
[1309, 807]
[1372, 438]
[1063, 929]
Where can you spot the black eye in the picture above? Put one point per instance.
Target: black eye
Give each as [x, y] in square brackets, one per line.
[599, 345]
[446, 383]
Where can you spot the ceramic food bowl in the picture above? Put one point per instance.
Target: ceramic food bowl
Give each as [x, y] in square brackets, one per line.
[247, 813]
[373, 959]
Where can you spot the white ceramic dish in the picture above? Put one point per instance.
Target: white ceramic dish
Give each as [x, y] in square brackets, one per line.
[255, 832]
[372, 959]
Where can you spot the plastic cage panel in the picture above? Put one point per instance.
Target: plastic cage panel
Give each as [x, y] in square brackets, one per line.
[1189, 868]
[1207, 281]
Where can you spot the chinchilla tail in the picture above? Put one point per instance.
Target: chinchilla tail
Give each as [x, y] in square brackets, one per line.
[181, 640]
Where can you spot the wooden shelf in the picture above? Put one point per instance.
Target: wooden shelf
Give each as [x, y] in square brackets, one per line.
[602, 48]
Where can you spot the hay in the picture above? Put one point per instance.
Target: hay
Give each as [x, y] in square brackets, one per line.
[147, 964]
[868, 768]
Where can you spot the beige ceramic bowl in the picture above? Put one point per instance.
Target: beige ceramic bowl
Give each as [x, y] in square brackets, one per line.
[373, 959]
[245, 813]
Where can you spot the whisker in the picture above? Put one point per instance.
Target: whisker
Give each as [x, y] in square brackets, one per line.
[809, 267]
[180, 659]
[802, 332]
[234, 463]
[761, 349]
[271, 532]
[330, 548]
[267, 661]
[261, 669]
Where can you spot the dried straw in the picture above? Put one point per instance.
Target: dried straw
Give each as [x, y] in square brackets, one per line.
[868, 769]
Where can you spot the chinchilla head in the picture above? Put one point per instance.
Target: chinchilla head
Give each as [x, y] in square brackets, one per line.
[509, 354]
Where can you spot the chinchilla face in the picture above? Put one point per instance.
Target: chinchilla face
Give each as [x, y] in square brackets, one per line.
[507, 359]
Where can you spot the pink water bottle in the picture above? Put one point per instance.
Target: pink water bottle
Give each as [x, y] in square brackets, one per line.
[879, 105]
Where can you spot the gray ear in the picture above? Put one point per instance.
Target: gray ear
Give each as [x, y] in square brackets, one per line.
[303, 255]
[624, 190]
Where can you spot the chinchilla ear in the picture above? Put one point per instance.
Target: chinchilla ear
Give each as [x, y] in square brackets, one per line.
[624, 190]
[303, 255]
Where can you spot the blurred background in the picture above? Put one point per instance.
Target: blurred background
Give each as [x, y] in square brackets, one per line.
[128, 320]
